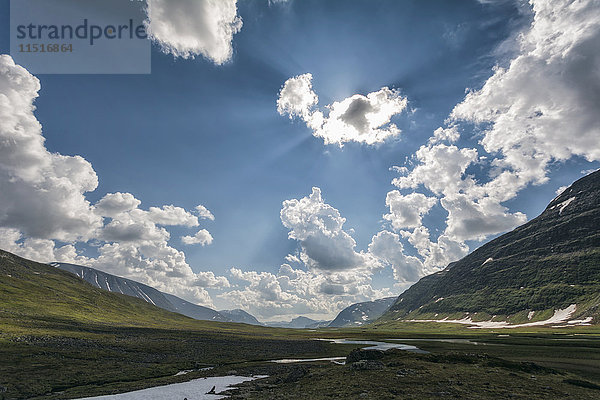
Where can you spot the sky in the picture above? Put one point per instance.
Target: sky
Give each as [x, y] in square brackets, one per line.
[294, 157]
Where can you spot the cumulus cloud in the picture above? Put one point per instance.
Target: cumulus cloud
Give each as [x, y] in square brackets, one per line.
[406, 211]
[44, 214]
[40, 250]
[188, 28]
[171, 215]
[387, 247]
[470, 219]
[298, 292]
[204, 212]
[113, 204]
[319, 228]
[202, 237]
[358, 118]
[297, 98]
[436, 254]
[43, 194]
[440, 169]
[543, 106]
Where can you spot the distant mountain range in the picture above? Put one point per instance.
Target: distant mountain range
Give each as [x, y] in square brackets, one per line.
[546, 271]
[153, 296]
[242, 316]
[362, 313]
[299, 323]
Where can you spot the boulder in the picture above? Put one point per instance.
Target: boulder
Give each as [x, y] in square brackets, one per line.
[367, 365]
[361, 354]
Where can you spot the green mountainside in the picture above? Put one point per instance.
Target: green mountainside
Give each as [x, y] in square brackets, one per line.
[547, 264]
[35, 291]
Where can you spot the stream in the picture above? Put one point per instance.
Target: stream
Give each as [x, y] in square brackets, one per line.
[370, 345]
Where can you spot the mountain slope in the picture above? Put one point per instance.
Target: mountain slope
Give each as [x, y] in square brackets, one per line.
[362, 313]
[195, 311]
[34, 291]
[296, 323]
[548, 264]
[241, 316]
[116, 284]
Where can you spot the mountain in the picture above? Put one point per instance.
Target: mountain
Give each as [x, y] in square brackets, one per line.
[238, 315]
[362, 313]
[296, 323]
[318, 324]
[551, 263]
[116, 284]
[31, 291]
[195, 311]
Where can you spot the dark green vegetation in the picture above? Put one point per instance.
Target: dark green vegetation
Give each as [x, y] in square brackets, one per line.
[549, 263]
[501, 370]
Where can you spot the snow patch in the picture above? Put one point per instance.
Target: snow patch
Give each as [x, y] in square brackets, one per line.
[564, 204]
[487, 261]
[585, 321]
[300, 360]
[195, 389]
[559, 316]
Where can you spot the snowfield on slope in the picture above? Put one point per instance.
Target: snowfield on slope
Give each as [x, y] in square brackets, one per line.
[560, 316]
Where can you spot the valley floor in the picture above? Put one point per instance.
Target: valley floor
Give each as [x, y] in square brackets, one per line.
[61, 360]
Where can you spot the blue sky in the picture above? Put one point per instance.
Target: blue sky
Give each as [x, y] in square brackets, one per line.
[198, 132]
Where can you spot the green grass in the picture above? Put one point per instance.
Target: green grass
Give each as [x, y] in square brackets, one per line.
[450, 371]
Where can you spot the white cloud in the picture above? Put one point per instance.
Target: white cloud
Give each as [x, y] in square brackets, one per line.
[157, 264]
[113, 204]
[448, 134]
[204, 212]
[541, 108]
[40, 250]
[436, 254]
[319, 229]
[441, 168]
[470, 219]
[358, 118]
[188, 28]
[474, 210]
[294, 292]
[297, 98]
[544, 105]
[406, 211]
[43, 194]
[43, 203]
[171, 215]
[387, 247]
[202, 237]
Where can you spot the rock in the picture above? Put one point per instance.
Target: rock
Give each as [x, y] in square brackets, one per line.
[297, 373]
[367, 365]
[360, 354]
[406, 372]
